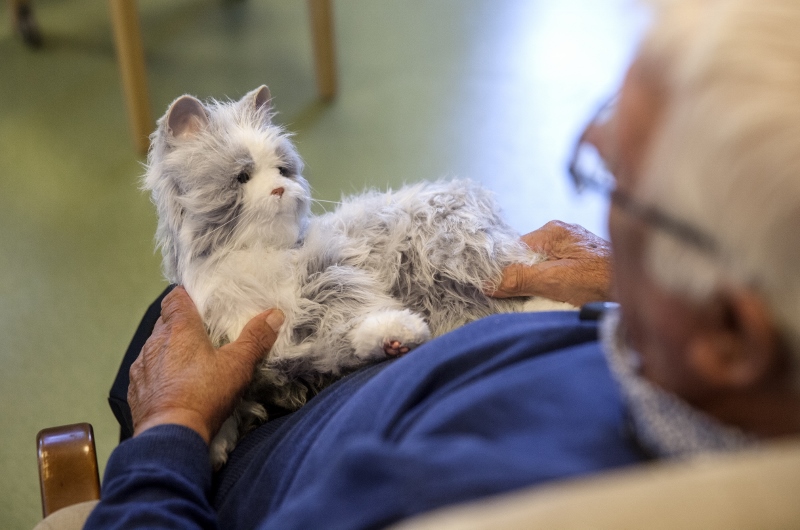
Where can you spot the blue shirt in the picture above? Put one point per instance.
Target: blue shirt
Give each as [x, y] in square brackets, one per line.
[505, 402]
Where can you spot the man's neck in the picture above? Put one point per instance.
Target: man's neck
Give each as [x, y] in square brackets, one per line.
[768, 412]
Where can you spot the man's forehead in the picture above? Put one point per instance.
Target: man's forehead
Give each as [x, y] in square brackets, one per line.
[639, 109]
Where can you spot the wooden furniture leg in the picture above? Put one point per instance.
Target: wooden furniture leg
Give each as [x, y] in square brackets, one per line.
[67, 466]
[25, 23]
[321, 13]
[130, 54]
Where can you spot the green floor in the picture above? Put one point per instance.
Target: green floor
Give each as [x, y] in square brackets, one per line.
[493, 90]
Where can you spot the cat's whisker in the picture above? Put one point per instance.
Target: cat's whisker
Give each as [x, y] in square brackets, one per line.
[223, 225]
[320, 201]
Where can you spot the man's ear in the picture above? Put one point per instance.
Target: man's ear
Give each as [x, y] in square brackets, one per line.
[186, 117]
[740, 346]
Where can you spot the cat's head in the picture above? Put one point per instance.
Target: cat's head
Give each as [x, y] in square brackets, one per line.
[223, 177]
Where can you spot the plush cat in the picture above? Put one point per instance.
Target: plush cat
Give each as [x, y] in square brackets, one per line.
[379, 276]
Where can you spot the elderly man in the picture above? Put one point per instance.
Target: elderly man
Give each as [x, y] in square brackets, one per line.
[699, 153]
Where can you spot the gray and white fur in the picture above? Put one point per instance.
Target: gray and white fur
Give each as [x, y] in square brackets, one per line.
[382, 274]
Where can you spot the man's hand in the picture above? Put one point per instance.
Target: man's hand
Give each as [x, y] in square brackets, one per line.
[180, 378]
[577, 269]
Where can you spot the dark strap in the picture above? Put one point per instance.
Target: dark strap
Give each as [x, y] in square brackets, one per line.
[118, 396]
[595, 310]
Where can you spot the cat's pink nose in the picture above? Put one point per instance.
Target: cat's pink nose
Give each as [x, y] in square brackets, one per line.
[278, 192]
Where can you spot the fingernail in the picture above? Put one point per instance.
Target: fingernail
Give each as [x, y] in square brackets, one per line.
[275, 319]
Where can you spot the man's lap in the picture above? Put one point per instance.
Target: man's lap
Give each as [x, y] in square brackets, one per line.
[482, 410]
[508, 401]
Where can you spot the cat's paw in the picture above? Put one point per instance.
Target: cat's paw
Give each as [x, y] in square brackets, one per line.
[389, 333]
[395, 348]
[223, 443]
[218, 454]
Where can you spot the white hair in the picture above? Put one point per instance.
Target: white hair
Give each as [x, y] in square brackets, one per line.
[726, 157]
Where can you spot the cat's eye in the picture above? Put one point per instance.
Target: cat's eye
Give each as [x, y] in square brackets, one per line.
[284, 171]
[243, 176]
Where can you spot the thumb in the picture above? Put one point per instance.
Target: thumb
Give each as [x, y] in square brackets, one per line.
[538, 240]
[258, 336]
[517, 280]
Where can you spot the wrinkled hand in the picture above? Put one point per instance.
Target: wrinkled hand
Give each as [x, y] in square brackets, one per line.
[577, 268]
[180, 378]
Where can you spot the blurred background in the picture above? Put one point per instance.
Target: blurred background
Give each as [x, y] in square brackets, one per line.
[492, 90]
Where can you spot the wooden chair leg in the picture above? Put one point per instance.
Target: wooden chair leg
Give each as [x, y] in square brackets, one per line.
[67, 466]
[25, 23]
[321, 13]
[130, 54]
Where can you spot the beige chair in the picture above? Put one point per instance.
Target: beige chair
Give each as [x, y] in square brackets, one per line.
[130, 54]
[753, 490]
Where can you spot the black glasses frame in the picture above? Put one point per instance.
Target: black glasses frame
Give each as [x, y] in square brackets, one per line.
[601, 179]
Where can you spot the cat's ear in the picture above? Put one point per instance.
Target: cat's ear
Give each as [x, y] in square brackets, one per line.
[261, 101]
[262, 98]
[186, 117]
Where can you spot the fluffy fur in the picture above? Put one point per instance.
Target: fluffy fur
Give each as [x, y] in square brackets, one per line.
[379, 276]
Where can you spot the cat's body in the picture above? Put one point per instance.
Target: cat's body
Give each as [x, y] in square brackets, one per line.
[378, 276]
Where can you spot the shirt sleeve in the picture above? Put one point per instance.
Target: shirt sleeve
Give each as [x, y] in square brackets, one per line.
[159, 479]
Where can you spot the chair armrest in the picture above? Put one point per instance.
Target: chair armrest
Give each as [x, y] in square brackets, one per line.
[67, 466]
[752, 489]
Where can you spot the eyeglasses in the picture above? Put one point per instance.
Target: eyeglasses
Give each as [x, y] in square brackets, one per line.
[590, 170]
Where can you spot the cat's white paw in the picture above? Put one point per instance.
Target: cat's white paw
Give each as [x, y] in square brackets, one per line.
[223, 443]
[218, 453]
[395, 348]
[391, 333]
